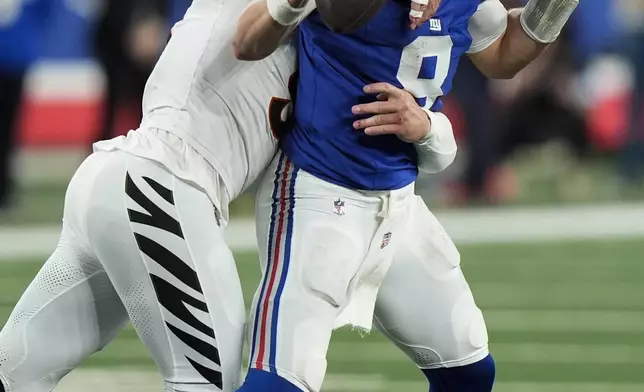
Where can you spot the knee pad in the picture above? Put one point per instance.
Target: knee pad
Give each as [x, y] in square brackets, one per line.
[262, 381]
[476, 377]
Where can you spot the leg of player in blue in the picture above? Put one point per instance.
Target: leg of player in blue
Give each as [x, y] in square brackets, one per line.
[260, 380]
[321, 249]
[427, 309]
[477, 377]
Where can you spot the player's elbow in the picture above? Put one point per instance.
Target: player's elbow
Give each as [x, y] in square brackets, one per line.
[500, 72]
[245, 52]
[242, 54]
[496, 67]
[503, 74]
[246, 46]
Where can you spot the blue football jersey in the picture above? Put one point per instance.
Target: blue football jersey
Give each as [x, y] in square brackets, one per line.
[334, 68]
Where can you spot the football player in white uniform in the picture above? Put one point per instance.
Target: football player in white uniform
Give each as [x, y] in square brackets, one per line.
[142, 236]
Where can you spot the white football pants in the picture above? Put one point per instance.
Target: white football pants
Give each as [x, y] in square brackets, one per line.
[137, 243]
[333, 256]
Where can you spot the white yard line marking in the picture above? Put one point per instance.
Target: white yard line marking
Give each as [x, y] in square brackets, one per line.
[465, 227]
[608, 354]
[564, 321]
[110, 380]
[595, 354]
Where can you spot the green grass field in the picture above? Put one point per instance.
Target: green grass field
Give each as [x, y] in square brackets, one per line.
[562, 317]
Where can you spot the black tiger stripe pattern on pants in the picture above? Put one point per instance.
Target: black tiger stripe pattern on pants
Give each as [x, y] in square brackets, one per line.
[172, 298]
[137, 244]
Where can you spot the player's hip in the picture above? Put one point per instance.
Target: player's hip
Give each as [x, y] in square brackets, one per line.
[110, 187]
[176, 156]
[340, 241]
[236, 147]
[350, 164]
[284, 181]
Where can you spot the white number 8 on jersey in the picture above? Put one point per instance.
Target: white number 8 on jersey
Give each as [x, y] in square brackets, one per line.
[424, 49]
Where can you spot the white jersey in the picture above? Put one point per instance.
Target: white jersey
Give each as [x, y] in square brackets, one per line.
[205, 113]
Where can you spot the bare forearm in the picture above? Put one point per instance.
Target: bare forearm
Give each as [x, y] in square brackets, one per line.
[527, 33]
[258, 34]
[260, 30]
[516, 49]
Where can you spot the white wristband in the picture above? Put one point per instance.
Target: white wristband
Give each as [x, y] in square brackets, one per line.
[437, 150]
[283, 12]
[417, 14]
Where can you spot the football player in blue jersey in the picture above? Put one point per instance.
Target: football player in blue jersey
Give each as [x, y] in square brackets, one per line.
[343, 239]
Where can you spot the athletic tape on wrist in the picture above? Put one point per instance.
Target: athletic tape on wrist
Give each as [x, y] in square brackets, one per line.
[283, 12]
[417, 13]
[543, 20]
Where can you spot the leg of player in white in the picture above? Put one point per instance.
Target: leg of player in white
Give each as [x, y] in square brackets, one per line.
[136, 242]
[324, 250]
[426, 308]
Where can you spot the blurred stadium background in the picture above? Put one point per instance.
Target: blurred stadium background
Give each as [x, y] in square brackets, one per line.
[546, 199]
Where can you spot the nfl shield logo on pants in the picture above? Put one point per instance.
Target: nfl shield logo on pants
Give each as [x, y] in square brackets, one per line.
[385, 240]
[338, 207]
